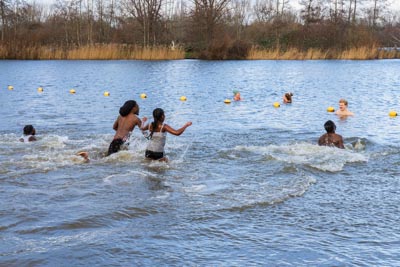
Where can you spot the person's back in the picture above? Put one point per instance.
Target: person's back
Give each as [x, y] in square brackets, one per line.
[158, 135]
[124, 125]
[331, 138]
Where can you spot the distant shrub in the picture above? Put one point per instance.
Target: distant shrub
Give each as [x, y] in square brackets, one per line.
[238, 50]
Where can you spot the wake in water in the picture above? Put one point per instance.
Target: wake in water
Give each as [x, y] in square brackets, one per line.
[320, 157]
[51, 152]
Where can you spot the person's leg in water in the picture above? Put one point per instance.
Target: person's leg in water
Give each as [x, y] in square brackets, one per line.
[155, 156]
[115, 146]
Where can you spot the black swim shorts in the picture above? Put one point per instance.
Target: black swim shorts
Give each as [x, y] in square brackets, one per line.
[154, 155]
[115, 146]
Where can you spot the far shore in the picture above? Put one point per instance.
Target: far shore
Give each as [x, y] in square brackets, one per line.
[127, 52]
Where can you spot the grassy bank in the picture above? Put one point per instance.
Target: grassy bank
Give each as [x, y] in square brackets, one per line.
[362, 53]
[117, 51]
[93, 52]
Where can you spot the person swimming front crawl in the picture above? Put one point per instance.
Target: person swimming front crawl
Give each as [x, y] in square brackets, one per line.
[124, 125]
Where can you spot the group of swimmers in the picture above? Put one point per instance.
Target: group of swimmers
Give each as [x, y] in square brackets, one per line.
[129, 118]
[124, 125]
[331, 138]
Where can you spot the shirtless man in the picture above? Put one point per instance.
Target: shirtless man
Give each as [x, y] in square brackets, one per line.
[124, 125]
[331, 138]
[343, 111]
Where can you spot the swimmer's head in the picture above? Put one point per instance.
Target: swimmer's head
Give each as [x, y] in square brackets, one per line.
[128, 107]
[158, 114]
[289, 96]
[29, 130]
[343, 104]
[330, 126]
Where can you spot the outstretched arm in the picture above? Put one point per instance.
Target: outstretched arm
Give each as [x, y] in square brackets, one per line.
[171, 130]
[143, 126]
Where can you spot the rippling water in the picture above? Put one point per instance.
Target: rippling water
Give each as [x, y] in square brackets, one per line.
[246, 184]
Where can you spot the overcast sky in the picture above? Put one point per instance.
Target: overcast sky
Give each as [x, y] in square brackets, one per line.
[395, 4]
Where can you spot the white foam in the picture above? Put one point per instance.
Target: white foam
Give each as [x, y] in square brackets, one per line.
[319, 157]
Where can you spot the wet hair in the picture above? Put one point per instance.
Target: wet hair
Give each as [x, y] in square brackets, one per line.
[127, 107]
[158, 114]
[289, 96]
[344, 101]
[28, 130]
[330, 126]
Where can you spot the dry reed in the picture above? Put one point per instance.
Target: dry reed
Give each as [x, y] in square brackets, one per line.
[118, 51]
[93, 52]
[361, 53]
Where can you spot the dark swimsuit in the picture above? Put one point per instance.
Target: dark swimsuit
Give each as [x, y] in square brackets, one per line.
[115, 146]
[154, 155]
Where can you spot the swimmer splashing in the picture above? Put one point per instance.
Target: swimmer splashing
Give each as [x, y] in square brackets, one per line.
[124, 125]
[158, 135]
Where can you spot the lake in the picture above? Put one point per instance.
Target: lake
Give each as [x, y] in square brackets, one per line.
[246, 184]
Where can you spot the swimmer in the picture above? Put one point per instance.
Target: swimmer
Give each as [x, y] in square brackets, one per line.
[343, 111]
[287, 98]
[29, 134]
[124, 125]
[236, 96]
[331, 138]
[158, 135]
[84, 155]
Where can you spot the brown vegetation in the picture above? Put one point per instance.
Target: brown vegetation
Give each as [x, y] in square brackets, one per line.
[356, 53]
[206, 29]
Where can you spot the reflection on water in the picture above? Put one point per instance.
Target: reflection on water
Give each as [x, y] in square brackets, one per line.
[246, 183]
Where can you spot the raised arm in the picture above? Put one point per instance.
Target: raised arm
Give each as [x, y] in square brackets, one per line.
[171, 130]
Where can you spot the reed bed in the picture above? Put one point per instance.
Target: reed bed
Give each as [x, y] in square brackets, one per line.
[93, 52]
[361, 53]
[118, 51]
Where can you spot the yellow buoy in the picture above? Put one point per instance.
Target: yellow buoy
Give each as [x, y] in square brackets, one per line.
[106, 93]
[392, 113]
[10, 87]
[40, 89]
[330, 109]
[277, 104]
[227, 101]
[72, 91]
[143, 96]
[183, 98]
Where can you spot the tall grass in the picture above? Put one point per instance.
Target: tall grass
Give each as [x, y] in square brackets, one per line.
[119, 51]
[99, 52]
[361, 53]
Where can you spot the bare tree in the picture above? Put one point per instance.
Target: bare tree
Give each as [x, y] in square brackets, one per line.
[264, 10]
[239, 15]
[148, 15]
[311, 11]
[206, 16]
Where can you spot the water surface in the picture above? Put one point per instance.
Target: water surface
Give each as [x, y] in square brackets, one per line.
[246, 184]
